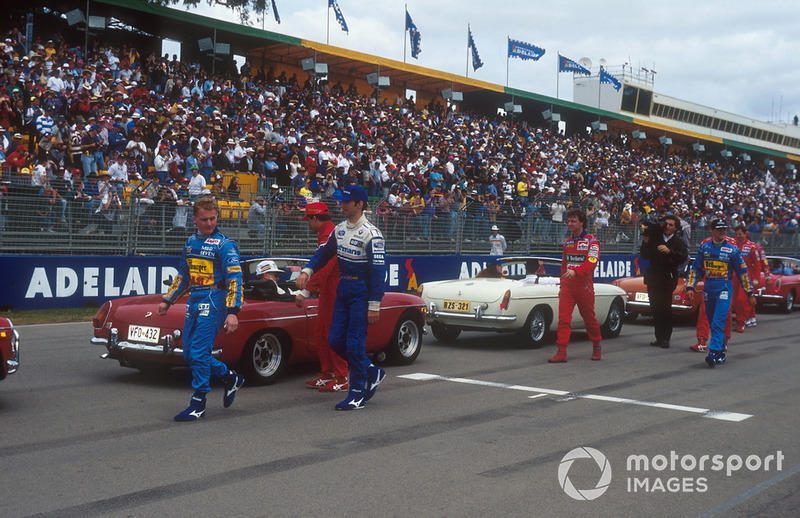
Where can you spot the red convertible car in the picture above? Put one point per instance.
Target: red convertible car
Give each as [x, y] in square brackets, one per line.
[9, 348]
[781, 289]
[273, 332]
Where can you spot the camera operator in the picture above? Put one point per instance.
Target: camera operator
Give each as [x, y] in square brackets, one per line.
[666, 252]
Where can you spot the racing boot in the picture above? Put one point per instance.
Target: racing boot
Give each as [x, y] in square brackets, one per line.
[233, 382]
[700, 346]
[596, 351]
[715, 358]
[739, 328]
[353, 401]
[374, 377]
[195, 410]
[322, 378]
[337, 384]
[560, 356]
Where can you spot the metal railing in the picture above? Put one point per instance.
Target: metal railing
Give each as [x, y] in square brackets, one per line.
[33, 223]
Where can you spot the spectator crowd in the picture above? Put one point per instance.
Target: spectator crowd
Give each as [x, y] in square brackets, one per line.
[81, 127]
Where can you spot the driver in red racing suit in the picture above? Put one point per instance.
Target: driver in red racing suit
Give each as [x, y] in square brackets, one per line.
[332, 375]
[579, 259]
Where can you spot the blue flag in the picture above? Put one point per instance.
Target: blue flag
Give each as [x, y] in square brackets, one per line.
[567, 65]
[605, 77]
[339, 16]
[522, 50]
[414, 36]
[476, 59]
[275, 11]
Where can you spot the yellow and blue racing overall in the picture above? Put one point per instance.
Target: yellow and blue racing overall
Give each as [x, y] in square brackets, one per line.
[716, 263]
[209, 269]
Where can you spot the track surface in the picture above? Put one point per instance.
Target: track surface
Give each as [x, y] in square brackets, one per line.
[475, 427]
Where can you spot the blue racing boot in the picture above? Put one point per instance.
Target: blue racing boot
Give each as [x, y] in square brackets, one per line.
[715, 358]
[195, 410]
[374, 377]
[233, 382]
[354, 401]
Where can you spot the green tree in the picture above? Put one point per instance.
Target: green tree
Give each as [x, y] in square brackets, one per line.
[244, 8]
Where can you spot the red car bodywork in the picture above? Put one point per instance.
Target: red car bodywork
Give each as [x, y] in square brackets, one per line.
[781, 290]
[272, 333]
[9, 348]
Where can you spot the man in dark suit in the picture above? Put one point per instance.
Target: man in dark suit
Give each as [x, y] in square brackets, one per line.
[666, 252]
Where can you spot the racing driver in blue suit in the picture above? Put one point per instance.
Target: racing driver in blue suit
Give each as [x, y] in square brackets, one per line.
[359, 247]
[716, 262]
[209, 270]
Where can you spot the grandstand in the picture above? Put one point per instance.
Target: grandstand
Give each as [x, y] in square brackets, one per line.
[683, 158]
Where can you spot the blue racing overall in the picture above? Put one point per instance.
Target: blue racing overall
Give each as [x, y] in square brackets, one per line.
[716, 263]
[209, 269]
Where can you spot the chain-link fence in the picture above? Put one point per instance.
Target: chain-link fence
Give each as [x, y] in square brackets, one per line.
[35, 220]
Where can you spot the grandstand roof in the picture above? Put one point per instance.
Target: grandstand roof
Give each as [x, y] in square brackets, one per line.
[184, 26]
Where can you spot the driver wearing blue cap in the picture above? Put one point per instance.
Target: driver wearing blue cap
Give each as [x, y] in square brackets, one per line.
[360, 251]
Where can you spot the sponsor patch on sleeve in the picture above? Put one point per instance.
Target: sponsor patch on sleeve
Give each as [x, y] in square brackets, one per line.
[234, 269]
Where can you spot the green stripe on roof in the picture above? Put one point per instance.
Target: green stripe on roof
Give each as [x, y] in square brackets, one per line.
[185, 16]
[566, 104]
[755, 149]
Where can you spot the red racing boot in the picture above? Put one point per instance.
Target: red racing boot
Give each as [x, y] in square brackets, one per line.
[323, 378]
[560, 357]
[596, 351]
[700, 346]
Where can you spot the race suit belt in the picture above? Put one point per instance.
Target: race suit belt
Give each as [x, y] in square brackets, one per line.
[217, 286]
[351, 278]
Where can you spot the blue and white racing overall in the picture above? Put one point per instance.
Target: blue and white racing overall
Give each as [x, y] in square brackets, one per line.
[716, 263]
[209, 269]
[362, 268]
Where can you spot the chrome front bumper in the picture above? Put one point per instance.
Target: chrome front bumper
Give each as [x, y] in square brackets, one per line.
[12, 364]
[124, 346]
[477, 314]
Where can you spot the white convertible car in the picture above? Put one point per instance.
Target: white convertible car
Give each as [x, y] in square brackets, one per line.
[526, 305]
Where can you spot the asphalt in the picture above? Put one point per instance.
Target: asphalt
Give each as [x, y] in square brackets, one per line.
[481, 426]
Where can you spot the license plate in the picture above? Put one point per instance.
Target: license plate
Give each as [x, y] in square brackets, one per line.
[642, 297]
[456, 305]
[149, 335]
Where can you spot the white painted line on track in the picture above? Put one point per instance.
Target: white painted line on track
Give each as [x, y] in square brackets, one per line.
[720, 415]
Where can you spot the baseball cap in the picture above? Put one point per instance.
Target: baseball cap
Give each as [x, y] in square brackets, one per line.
[315, 208]
[494, 227]
[267, 267]
[718, 224]
[354, 193]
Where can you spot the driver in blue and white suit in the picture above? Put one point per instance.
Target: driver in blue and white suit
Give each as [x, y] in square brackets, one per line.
[359, 247]
[716, 262]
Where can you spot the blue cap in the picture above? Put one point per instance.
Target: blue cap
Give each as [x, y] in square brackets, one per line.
[354, 193]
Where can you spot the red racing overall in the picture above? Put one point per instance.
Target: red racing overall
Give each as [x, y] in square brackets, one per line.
[325, 282]
[752, 260]
[580, 254]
